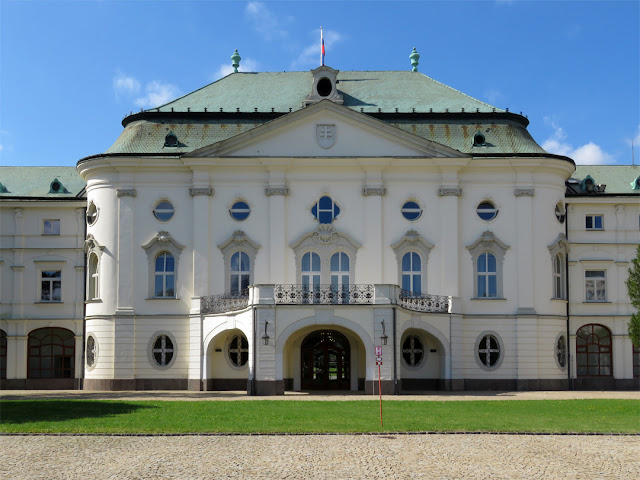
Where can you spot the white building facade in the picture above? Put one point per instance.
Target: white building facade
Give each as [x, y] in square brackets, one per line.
[268, 231]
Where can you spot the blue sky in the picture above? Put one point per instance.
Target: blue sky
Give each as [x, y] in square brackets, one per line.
[71, 70]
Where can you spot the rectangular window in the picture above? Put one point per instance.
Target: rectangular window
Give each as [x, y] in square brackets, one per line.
[594, 222]
[51, 227]
[595, 286]
[51, 286]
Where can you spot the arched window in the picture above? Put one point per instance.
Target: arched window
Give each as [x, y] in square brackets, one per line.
[165, 276]
[240, 272]
[340, 277]
[412, 273]
[487, 276]
[558, 276]
[3, 354]
[593, 351]
[51, 353]
[310, 269]
[93, 278]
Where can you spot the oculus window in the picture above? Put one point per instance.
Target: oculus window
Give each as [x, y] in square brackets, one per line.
[92, 351]
[238, 351]
[325, 210]
[489, 351]
[163, 211]
[561, 351]
[240, 211]
[411, 211]
[487, 211]
[413, 350]
[92, 213]
[163, 350]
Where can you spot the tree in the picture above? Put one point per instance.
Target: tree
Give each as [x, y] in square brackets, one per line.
[633, 289]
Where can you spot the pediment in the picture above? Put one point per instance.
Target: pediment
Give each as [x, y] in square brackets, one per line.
[326, 129]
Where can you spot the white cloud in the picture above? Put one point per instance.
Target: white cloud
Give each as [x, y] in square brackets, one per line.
[124, 85]
[310, 55]
[156, 94]
[587, 154]
[494, 97]
[636, 139]
[265, 22]
[1, 147]
[246, 65]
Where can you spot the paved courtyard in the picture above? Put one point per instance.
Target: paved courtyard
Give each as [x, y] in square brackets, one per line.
[321, 457]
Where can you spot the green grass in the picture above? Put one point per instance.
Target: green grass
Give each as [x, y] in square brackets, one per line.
[273, 416]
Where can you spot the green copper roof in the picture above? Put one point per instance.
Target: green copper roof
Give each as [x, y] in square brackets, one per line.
[370, 91]
[617, 178]
[36, 182]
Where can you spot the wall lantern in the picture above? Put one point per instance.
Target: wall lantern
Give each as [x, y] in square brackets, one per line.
[384, 336]
[265, 337]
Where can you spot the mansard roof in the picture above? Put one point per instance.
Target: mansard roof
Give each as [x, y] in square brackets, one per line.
[408, 100]
[617, 180]
[38, 182]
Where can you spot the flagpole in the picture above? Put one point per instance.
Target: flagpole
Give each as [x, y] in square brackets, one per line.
[321, 48]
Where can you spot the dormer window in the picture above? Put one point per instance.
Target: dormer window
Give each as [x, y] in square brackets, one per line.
[57, 187]
[324, 86]
[635, 185]
[171, 140]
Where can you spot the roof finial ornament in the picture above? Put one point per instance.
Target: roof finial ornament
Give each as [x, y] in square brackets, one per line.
[415, 56]
[235, 61]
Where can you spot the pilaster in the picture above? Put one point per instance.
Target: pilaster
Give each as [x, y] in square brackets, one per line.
[125, 268]
[524, 254]
[449, 235]
[372, 257]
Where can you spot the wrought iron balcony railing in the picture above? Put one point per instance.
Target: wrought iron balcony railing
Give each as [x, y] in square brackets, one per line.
[227, 302]
[324, 294]
[420, 302]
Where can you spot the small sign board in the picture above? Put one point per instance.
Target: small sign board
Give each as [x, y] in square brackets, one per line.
[378, 362]
[378, 351]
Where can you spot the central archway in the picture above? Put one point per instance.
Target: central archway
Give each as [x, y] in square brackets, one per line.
[325, 361]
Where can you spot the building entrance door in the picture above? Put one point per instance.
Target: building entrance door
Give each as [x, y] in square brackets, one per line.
[326, 361]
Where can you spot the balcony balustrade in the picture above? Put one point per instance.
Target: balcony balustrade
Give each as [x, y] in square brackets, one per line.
[365, 294]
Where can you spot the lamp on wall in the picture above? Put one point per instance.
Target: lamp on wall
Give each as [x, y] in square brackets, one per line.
[265, 337]
[384, 337]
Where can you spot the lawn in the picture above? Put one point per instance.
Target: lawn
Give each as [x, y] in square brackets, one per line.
[273, 416]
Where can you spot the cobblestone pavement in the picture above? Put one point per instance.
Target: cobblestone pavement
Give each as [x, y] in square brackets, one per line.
[321, 457]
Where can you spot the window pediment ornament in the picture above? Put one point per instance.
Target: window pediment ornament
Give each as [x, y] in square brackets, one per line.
[163, 241]
[488, 241]
[559, 245]
[239, 241]
[325, 234]
[410, 240]
[92, 245]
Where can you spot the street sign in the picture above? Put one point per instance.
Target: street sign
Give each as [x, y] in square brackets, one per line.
[378, 351]
[378, 362]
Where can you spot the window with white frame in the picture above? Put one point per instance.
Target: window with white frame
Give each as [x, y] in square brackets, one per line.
[340, 276]
[93, 278]
[558, 276]
[240, 272]
[51, 227]
[51, 286]
[595, 286]
[594, 222]
[412, 273]
[488, 253]
[165, 276]
[311, 271]
[239, 253]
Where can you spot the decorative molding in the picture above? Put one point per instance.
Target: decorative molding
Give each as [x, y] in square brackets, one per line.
[91, 244]
[449, 191]
[18, 212]
[269, 191]
[163, 240]
[126, 192]
[326, 135]
[559, 245]
[488, 240]
[326, 234]
[524, 192]
[239, 239]
[196, 191]
[17, 268]
[238, 242]
[370, 190]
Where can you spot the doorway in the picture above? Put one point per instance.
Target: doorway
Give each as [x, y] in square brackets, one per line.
[326, 361]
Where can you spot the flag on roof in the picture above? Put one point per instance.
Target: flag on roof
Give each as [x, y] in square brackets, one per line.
[322, 47]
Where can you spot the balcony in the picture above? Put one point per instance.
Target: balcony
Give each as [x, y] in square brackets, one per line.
[365, 294]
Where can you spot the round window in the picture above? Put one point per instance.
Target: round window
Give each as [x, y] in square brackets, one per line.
[412, 350]
[240, 211]
[163, 350]
[324, 87]
[559, 211]
[489, 351]
[92, 351]
[561, 351]
[487, 211]
[411, 211]
[239, 350]
[163, 211]
[92, 213]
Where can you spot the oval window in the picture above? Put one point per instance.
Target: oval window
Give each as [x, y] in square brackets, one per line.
[163, 350]
[487, 211]
[92, 213]
[239, 350]
[559, 211]
[412, 350]
[411, 211]
[240, 211]
[163, 211]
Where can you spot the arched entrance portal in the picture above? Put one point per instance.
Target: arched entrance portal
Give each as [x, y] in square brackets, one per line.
[325, 361]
